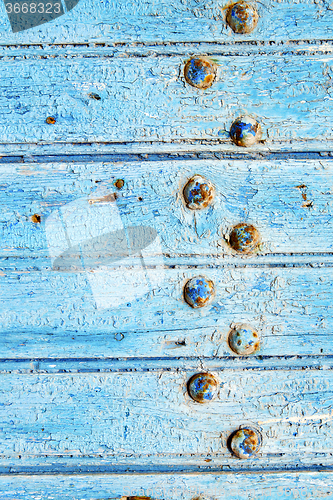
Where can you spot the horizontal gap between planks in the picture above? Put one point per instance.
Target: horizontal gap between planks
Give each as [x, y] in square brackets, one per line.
[189, 149]
[107, 365]
[222, 43]
[166, 49]
[172, 156]
[211, 261]
[67, 470]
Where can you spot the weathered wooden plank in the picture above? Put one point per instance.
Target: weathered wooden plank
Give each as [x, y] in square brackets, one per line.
[127, 313]
[223, 486]
[179, 20]
[289, 201]
[147, 100]
[148, 418]
[91, 313]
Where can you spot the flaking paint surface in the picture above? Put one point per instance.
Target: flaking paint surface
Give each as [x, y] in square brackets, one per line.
[148, 418]
[146, 99]
[176, 21]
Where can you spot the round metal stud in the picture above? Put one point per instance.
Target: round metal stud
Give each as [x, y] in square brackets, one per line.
[244, 238]
[242, 18]
[202, 387]
[200, 72]
[243, 340]
[198, 193]
[50, 120]
[245, 443]
[36, 218]
[198, 291]
[245, 131]
[119, 183]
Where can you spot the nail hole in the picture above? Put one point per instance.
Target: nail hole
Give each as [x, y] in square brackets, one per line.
[119, 183]
[92, 95]
[50, 120]
[36, 218]
[140, 198]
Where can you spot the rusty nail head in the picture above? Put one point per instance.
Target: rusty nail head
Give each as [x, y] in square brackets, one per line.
[198, 291]
[245, 131]
[243, 340]
[242, 18]
[245, 443]
[244, 238]
[200, 72]
[198, 193]
[36, 218]
[50, 120]
[119, 183]
[202, 387]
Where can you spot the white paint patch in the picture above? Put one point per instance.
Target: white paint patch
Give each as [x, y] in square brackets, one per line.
[79, 226]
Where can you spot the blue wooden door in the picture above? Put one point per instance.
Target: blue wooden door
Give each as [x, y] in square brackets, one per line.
[166, 250]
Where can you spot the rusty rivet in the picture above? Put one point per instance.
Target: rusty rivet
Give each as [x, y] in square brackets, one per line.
[198, 193]
[119, 183]
[244, 238]
[245, 443]
[198, 291]
[243, 340]
[202, 387]
[200, 72]
[245, 131]
[242, 18]
[50, 120]
[36, 218]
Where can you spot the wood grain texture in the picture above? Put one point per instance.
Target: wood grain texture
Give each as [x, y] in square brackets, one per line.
[263, 486]
[289, 201]
[95, 360]
[55, 315]
[126, 309]
[146, 100]
[179, 20]
[148, 419]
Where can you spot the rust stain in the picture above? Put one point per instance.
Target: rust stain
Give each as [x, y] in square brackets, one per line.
[307, 203]
[200, 72]
[107, 198]
[198, 193]
[244, 238]
[202, 387]
[242, 17]
[36, 218]
[138, 498]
